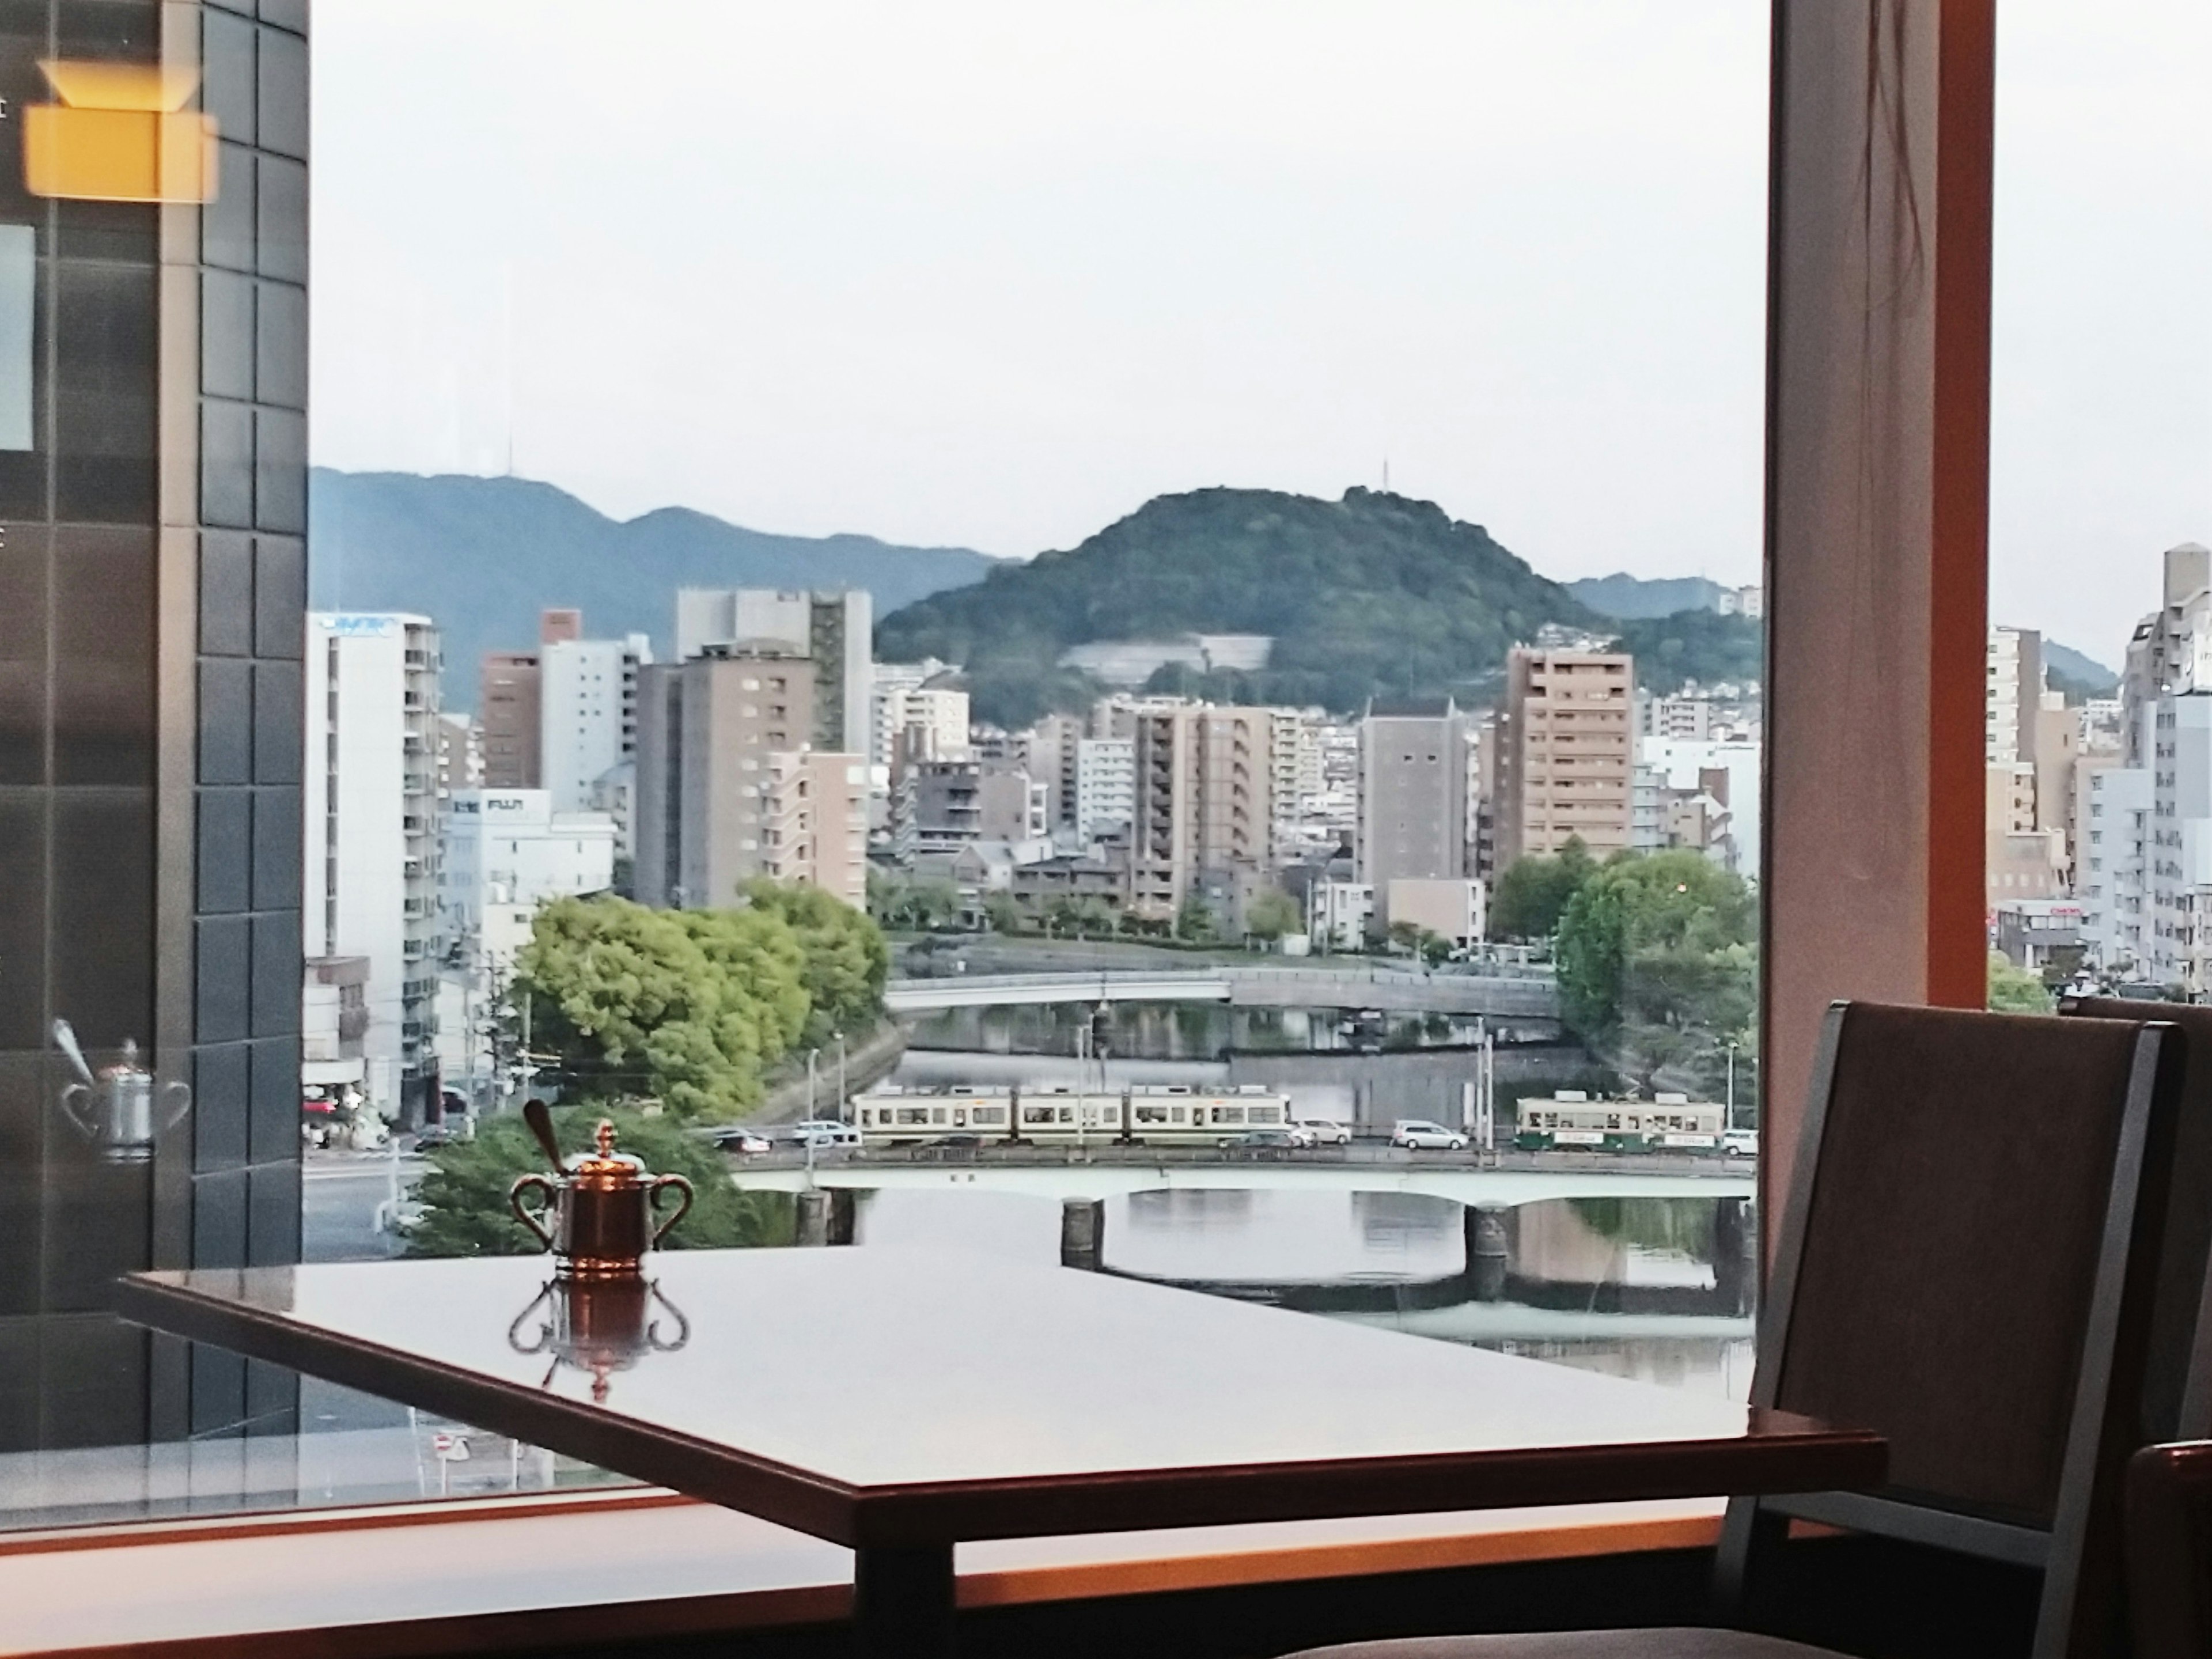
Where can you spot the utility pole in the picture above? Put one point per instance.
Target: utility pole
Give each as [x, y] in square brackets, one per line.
[844, 1094]
[1728, 1118]
[813, 1054]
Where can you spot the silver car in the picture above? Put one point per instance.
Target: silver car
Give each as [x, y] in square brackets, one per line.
[1418, 1134]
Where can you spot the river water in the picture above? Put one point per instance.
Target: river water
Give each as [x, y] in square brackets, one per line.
[1653, 1289]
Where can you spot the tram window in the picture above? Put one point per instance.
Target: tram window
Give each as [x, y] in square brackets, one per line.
[1613, 1121]
[1229, 1114]
[909, 1115]
[1149, 1113]
[1265, 1114]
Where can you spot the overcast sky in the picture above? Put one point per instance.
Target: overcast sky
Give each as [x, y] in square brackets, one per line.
[993, 274]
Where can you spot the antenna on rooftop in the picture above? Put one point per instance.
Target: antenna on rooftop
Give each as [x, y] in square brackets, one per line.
[1386, 475]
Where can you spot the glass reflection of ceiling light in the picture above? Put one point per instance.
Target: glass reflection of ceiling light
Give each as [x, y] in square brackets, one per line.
[120, 133]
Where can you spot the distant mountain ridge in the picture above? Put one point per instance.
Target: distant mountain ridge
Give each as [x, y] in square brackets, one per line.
[1636, 599]
[483, 556]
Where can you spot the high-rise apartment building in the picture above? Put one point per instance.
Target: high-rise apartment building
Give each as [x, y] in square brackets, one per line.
[1413, 771]
[2179, 922]
[2111, 844]
[1201, 809]
[834, 629]
[372, 807]
[510, 719]
[587, 698]
[706, 730]
[2172, 649]
[1565, 752]
[501, 853]
[816, 817]
[2015, 694]
[1105, 786]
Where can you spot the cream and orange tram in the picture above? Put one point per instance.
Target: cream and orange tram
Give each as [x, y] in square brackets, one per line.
[1052, 1114]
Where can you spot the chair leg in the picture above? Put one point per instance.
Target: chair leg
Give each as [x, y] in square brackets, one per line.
[1751, 1536]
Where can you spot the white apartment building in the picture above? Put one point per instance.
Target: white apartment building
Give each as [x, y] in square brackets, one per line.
[508, 851]
[2111, 863]
[1675, 765]
[2181, 850]
[933, 721]
[2015, 693]
[370, 816]
[1105, 786]
[587, 716]
[1337, 914]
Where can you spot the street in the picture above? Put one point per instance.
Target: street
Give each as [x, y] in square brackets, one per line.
[340, 1194]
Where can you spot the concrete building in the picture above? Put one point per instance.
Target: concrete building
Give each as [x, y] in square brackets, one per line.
[1202, 803]
[510, 711]
[888, 685]
[1415, 764]
[2034, 934]
[516, 847]
[2111, 869]
[1105, 786]
[333, 1020]
[832, 629]
[1564, 752]
[2180, 852]
[460, 754]
[370, 810]
[1338, 914]
[1456, 910]
[587, 700]
[1684, 772]
[930, 723]
[2015, 694]
[817, 821]
[707, 728]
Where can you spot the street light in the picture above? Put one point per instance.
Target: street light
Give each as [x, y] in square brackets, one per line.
[813, 1054]
[844, 1098]
[1728, 1118]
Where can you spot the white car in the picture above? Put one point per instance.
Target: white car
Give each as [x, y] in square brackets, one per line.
[1741, 1143]
[1325, 1131]
[1417, 1133]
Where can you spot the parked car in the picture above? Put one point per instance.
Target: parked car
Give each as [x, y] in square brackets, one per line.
[738, 1138]
[434, 1134]
[1293, 1138]
[1741, 1143]
[1325, 1131]
[1416, 1133]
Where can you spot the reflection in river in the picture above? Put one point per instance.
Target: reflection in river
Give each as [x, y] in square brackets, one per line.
[1658, 1290]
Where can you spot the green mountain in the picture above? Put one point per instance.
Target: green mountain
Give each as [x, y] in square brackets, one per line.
[482, 557]
[1375, 595]
[2078, 677]
[1627, 598]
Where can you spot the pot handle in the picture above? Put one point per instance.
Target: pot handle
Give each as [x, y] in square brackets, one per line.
[534, 1222]
[70, 1096]
[182, 1092]
[660, 1184]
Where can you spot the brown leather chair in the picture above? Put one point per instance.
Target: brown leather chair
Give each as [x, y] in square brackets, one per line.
[1967, 1264]
[2177, 1396]
[2169, 1533]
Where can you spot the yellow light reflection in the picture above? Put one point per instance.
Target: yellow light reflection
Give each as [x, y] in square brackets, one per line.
[120, 133]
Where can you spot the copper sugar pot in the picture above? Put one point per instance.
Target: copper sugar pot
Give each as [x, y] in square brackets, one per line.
[601, 1212]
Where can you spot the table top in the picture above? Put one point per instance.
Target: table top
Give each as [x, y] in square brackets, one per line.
[886, 1396]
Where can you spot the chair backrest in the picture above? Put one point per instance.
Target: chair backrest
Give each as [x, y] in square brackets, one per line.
[2169, 1546]
[2177, 1396]
[1965, 1264]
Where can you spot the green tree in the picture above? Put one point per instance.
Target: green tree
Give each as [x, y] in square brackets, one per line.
[1194, 920]
[465, 1193]
[1535, 890]
[1004, 911]
[1658, 967]
[1272, 914]
[2014, 990]
[845, 960]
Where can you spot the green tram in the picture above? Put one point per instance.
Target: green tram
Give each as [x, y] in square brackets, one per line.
[1571, 1121]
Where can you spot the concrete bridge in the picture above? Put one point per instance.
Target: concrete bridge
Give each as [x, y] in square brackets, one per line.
[1479, 1189]
[1529, 996]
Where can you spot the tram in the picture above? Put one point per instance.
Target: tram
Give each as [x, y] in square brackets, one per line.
[1569, 1121]
[1057, 1115]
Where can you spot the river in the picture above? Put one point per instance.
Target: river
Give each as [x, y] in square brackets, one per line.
[1653, 1288]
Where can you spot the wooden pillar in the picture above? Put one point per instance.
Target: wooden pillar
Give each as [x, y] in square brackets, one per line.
[1877, 515]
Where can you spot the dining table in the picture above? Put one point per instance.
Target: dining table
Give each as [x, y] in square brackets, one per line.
[900, 1400]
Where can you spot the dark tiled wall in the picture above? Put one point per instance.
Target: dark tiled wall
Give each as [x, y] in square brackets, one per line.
[82, 628]
[252, 616]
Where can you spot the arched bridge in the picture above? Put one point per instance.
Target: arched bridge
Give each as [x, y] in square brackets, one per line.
[1393, 991]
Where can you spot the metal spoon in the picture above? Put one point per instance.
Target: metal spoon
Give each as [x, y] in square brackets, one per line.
[66, 1040]
[541, 1125]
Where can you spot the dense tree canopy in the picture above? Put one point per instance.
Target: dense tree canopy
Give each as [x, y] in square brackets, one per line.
[1532, 893]
[465, 1192]
[1694, 645]
[689, 1005]
[1658, 969]
[2014, 990]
